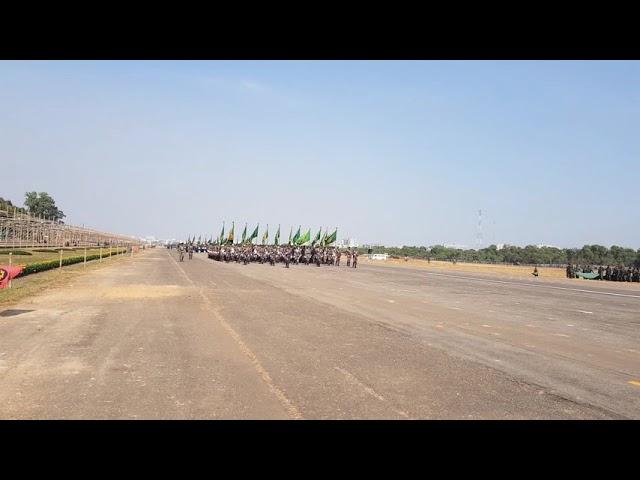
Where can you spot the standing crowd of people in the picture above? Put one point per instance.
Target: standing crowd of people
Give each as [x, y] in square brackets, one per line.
[617, 273]
[285, 254]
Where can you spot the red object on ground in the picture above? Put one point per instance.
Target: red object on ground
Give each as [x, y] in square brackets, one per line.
[7, 272]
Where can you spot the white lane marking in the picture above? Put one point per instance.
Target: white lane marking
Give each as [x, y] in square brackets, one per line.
[532, 285]
[561, 335]
[368, 389]
[487, 326]
[291, 409]
[584, 311]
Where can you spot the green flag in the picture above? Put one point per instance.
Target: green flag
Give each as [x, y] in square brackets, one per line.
[254, 234]
[231, 232]
[221, 239]
[296, 237]
[317, 239]
[331, 238]
[265, 236]
[324, 237]
[244, 234]
[304, 238]
[277, 240]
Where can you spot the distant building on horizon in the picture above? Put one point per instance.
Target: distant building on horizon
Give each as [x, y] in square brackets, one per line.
[348, 243]
[455, 245]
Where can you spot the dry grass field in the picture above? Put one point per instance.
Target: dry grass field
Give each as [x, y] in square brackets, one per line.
[25, 287]
[502, 270]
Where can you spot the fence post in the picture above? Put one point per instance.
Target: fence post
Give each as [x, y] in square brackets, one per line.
[109, 251]
[10, 253]
[85, 256]
[60, 258]
[100, 254]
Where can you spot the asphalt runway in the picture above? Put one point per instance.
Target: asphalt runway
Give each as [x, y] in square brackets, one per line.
[158, 338]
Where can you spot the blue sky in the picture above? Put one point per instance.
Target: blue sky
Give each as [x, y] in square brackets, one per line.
[390, 152]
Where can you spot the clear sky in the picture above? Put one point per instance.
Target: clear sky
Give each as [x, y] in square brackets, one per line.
[390, 152]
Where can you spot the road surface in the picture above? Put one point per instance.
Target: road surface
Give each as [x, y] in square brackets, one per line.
[154, 338]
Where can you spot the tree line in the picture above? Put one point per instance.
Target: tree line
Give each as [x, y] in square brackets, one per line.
[511, 254]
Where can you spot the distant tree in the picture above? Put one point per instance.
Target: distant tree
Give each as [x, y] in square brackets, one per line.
[42, 204]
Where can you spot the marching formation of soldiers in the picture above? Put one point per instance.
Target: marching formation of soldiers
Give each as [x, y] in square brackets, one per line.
[284, 254]
[617, 273]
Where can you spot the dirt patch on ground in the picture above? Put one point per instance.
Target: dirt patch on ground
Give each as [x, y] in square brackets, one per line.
[142, 291]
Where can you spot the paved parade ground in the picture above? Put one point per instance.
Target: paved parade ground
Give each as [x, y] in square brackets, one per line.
[153, 338]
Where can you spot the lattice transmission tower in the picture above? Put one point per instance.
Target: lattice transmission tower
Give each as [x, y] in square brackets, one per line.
[479, 240]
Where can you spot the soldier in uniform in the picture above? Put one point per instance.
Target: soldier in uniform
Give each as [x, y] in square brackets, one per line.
[355, 258]
[348, 256]
[338, 255]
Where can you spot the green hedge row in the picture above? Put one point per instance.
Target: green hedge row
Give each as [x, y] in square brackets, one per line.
[50, 264]
[64, 249]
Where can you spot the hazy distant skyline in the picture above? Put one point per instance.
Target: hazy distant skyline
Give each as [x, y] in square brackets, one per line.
[389, 152]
